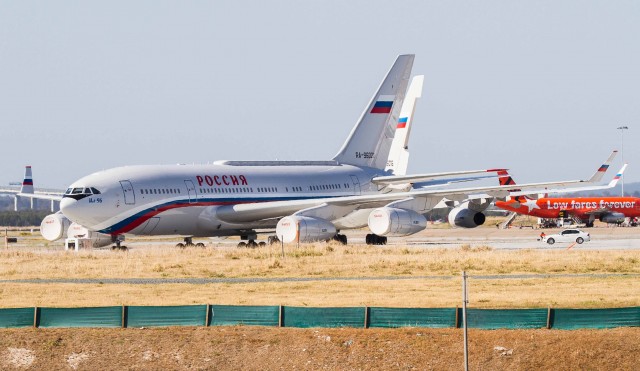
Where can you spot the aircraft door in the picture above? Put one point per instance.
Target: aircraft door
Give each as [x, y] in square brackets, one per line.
[356, 185]
[129, 194]
[191, 190]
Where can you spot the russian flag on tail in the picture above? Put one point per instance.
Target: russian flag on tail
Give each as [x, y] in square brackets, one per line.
[383, 104]
[28, 180]
[402, 123]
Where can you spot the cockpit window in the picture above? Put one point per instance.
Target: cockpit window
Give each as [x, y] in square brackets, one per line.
[79, 193]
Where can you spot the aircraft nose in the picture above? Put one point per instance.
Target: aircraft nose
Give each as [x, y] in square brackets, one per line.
[66, 204]
[69, 208]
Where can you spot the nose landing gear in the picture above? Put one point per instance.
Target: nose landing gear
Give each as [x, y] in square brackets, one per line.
[118, 243]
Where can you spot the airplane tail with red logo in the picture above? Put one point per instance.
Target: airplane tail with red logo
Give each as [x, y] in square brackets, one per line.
[504, 179]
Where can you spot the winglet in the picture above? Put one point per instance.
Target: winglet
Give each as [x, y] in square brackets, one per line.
[615, 179]
[597, 176]
[27, 183]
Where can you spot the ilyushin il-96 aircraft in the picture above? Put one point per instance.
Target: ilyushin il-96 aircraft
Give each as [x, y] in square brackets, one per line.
[364, 185]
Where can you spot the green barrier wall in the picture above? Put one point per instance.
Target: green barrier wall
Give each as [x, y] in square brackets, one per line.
[412, 317]
[196, 315]
[183, 315]
[505, 318]
[220, 315]
[16, 317]
[80, 317]
[569, 319]
[322, 317]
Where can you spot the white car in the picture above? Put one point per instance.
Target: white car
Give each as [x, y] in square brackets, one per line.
[568, 235]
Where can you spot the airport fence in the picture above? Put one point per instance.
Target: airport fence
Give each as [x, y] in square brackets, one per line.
[305, 317]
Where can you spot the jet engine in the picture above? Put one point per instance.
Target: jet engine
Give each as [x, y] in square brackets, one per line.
[612, 218]
[95, 239]
[54, 226]
[305, 229]
[465, 218]
[389, 221]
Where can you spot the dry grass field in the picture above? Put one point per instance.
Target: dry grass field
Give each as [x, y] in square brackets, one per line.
[396, 275]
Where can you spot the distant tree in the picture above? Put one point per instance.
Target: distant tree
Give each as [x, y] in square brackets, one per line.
[25, 218]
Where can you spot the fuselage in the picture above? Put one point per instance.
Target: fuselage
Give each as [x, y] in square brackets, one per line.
[581, 207]
[188, 199]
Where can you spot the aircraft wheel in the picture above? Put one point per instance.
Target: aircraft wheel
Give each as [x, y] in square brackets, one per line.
[180, 245]
[199, 244]
[368, 239]
[242, 244]
[272, 239]
[551, 241]
[252, 244]
[262, 244]
[579, 240]
[342, 238]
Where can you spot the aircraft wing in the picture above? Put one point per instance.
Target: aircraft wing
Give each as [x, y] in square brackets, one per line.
[42, 196]
[428, 198]
[611, 184]
[601, 210]
[410, 179]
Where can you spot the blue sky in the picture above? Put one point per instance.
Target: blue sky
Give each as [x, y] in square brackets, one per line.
[538, 87]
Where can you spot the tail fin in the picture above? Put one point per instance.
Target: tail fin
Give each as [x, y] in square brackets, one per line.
[505, 179]
[597, 176]
[399, 152]
[616, 178]
[27, 183]
[370, 140]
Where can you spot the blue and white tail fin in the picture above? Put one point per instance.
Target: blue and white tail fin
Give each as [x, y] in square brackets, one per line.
[369, 142]
[399, 154]
[597, 176]
[616, 178]
[27, 183]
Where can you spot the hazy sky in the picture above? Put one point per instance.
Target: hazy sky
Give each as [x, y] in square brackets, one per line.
[538, 87]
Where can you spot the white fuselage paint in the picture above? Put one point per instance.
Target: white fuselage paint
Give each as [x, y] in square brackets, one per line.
[190, 199]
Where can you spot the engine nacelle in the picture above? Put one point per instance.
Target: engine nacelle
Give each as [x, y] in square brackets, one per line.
[389, 221]
[612, 218]
[54, 227]
[95, 239]
[304, 228]
[465, 218]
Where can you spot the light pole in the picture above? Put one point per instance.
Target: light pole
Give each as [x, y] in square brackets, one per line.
[622, 129]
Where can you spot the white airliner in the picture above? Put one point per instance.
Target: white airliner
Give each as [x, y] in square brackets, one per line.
[363, 185]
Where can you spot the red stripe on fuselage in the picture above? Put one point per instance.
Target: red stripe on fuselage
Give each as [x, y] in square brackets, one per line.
[137, 222]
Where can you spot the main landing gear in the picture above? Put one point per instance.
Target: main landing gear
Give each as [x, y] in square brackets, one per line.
[252, 244]
[188, 241]
[374, 239]
[341, 238]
